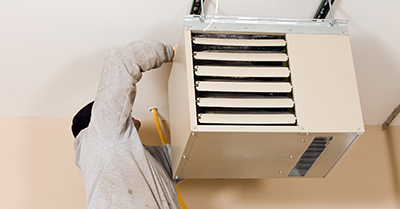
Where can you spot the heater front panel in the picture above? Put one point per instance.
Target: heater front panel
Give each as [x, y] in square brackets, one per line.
[257, 105]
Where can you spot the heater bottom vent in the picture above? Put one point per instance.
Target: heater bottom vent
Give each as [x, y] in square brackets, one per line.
[312, 153]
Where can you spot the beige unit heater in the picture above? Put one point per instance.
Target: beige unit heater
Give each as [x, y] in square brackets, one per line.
[257, 98]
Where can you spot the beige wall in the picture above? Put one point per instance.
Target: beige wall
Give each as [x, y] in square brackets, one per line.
[38, 172]
[37, 165]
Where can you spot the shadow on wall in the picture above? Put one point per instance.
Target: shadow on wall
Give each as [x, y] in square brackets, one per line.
[215, 192]
[148, 132]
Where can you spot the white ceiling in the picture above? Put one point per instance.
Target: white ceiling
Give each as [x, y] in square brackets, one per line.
[52, 52]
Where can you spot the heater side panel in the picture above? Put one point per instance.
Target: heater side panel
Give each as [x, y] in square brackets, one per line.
[178, 93]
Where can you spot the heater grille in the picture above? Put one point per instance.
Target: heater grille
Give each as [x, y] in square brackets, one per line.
[242, 79]
[312, 153]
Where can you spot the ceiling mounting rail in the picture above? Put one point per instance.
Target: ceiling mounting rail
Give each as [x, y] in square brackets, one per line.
[323, 9]
[197, 7]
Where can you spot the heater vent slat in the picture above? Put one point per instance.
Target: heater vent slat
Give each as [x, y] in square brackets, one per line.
[245, 102]
[255, 36]
[237, 56]
[233, 71]
[240, 42]
[244, 86]
[247, 119]
[242, 79]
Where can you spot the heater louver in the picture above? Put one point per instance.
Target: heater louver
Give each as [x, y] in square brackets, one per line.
[242, 79]
[312, 153]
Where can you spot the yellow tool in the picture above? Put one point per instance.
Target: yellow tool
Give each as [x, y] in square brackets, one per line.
[163, 141]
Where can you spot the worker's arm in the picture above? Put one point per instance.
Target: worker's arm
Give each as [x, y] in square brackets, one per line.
[123, 68]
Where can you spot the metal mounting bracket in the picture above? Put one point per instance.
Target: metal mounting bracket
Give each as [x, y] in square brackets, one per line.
[391, 117]
[198, 9]
[323, 9]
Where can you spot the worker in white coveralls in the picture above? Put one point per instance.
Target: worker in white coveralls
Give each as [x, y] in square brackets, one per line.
[118, 170]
